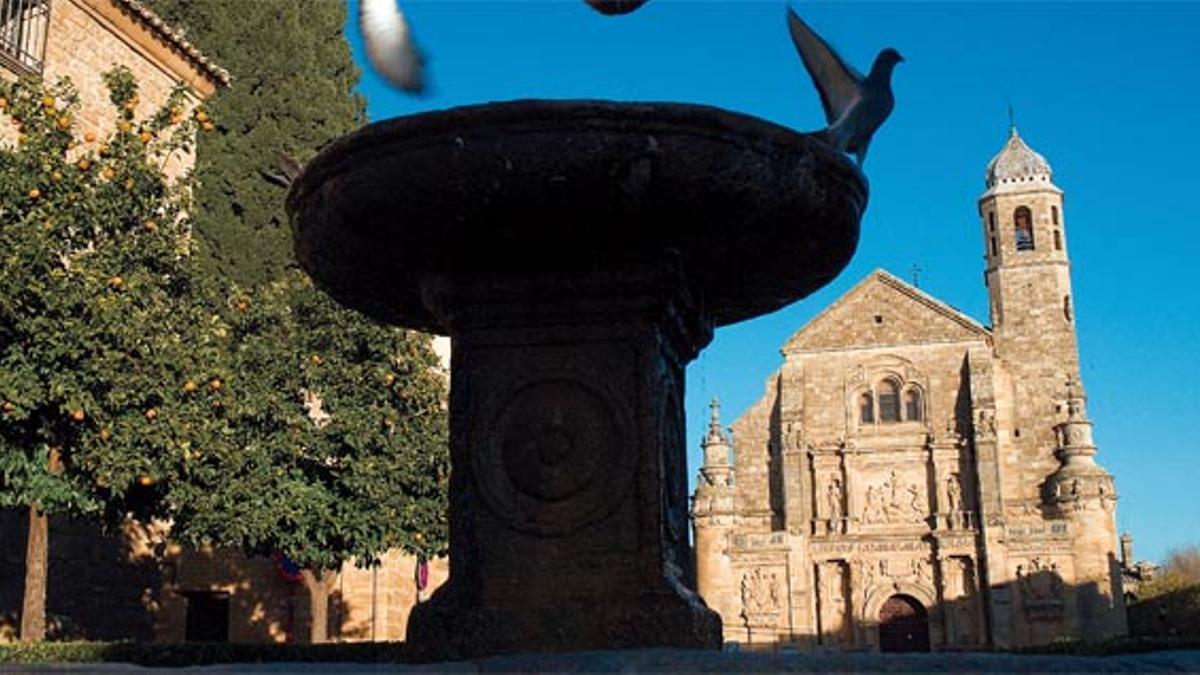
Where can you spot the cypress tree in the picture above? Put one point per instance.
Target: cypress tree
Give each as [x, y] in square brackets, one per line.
[292, 93]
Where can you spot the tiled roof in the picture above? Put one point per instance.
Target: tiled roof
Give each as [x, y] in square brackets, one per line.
[175, 39]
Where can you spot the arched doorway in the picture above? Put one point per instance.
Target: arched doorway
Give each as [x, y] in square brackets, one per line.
[903, 625]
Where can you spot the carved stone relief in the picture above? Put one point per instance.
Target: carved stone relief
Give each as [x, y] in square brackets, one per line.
[760, 597]
[894, 500]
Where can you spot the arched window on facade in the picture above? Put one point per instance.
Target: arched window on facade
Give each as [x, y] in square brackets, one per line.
[1054, 214]
[1023, 228]
[1057, 240]
[866, 408]
[912, 405]
[889, 401]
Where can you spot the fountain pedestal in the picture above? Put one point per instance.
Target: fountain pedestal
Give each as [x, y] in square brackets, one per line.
[579, 255]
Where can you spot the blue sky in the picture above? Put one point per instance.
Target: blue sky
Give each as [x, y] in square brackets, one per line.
[1108, 92]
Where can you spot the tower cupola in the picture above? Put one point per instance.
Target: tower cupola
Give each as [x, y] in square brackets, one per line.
[1017, 168]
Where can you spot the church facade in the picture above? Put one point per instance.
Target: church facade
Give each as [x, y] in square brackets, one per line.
[914, 480]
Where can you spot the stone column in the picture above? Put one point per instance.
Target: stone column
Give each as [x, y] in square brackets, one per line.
[568, 504]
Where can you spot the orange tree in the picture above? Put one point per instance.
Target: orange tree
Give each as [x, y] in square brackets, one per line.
[337, 445]
[101, 323]
[266, 419]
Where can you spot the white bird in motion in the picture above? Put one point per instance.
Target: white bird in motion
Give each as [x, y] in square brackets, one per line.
[855, 106]
[390, 45]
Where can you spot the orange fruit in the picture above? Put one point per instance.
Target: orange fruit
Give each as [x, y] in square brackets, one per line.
[116, 282]
[201, 115]
[215, 384]
[89, 136]
[125, 126]
[145, 136]
[145, 481]
[35, 193]
[84, 165]
[64, 122]
[389, 379]
[108, 173]
[56, 176]
[3, 103]
[8, 407]
[78, 415]
[189, 386]
[150, 225]
[207, 126]
[151, 414]
[316, 359]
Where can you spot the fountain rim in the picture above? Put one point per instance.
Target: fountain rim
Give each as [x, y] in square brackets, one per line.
[533, 114]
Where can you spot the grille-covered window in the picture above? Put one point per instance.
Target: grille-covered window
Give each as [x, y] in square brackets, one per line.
[23, 34]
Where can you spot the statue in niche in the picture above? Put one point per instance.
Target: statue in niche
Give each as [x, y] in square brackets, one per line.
[987, 423]
[953, 493]
[954, 499]
[833, 504]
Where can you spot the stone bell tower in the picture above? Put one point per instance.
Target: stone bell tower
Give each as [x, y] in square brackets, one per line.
[1028, 278]
[1052, 479]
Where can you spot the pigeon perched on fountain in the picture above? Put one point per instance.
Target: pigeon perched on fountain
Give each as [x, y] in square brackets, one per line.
[390, 45]
[855, 106]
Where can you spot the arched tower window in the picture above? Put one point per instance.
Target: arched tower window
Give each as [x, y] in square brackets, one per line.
[1054, 214]
[912, 405]
[1057, 240]
[1067, 307]
[866, 408]
[889, 401]
[1023, 228]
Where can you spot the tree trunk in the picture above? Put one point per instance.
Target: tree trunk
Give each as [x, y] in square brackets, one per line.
[319, 584]
[33, 606]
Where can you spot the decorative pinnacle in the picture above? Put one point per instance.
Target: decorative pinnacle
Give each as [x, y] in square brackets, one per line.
[714, 421]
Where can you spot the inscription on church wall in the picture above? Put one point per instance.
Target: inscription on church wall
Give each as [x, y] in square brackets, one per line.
[847, 547]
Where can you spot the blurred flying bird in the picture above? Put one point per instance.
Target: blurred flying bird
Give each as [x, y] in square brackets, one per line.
[855, 106]
[390, 45]
[286, 170]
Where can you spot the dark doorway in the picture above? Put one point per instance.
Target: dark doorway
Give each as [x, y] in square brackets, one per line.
[207, 617]
[903, 625]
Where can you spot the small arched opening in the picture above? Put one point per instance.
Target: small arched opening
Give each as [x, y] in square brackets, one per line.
[866, 408]
[903, 625]
[1023, 228]
[889, 401]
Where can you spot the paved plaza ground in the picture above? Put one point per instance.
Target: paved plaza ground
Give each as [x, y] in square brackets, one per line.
[691, 661]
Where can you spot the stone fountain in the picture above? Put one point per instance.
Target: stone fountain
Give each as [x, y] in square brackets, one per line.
[579, 254]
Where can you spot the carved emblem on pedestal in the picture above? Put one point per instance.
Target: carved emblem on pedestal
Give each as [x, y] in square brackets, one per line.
[760, 597]
[556, 453]
[1041, 589]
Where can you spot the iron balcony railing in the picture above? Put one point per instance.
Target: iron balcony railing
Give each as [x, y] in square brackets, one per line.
[23, 26]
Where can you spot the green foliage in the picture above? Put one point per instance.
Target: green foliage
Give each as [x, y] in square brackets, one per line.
[293, 93]
[373, 476]
[198, 654]
[98, 301]
[338, 436]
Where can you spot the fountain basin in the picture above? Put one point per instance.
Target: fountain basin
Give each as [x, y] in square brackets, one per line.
[759, 215]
